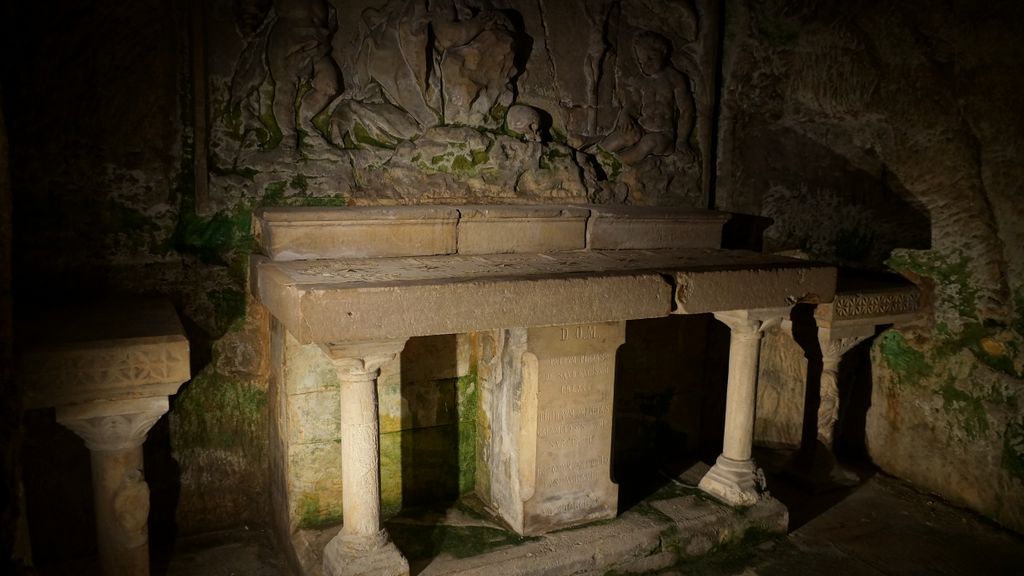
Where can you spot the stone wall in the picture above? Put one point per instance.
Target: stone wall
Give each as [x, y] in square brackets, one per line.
[888, 134]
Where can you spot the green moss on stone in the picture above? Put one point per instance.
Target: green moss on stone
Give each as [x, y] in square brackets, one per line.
[313, 515]
[215, 411]
[949, 271]
[299, 183]
[228, 307]
[480, 157]
[966, 410]
[909, 365]
[461, 163]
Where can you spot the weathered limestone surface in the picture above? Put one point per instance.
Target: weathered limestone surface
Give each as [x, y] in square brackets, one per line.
[618, 228]
[304, 233]
[498, 229]
[337, 300]
[560, 430]
[888, 133]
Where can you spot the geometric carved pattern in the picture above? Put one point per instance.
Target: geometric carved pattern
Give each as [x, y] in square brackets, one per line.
[87, 372]
[848, 306]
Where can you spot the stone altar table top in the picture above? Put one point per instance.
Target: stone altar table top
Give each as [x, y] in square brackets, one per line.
[378, 298]
[109, 351]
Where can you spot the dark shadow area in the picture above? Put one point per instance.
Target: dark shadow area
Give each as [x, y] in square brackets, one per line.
[58, 491]
[164, 478]
[659, 416]
[427, 446]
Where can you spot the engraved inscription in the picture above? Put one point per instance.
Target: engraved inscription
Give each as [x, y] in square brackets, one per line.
[575, 382]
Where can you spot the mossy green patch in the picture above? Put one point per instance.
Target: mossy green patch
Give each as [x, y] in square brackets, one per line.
[315, 515]
[215, 411]
[467, 456]
[228, 308]
[216, 239]
[299, 183]
[966, 410]
[951, 272]
[909, 365]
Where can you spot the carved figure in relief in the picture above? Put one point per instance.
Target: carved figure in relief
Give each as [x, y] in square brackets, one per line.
[306, 78]
[524, 122]
[287, 60]
[475, 53]
[658, 112]
[131, 507]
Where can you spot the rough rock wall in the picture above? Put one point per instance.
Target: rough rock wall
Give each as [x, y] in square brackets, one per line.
[890, 132]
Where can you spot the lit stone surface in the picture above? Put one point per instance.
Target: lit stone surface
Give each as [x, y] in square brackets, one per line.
[559, 429]
[362, 232]
[512, 229]
[354, 299]
[632, 228]
[566, 425]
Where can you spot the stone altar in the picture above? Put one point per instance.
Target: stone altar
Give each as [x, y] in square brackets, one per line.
[109, 370]
[361, 310]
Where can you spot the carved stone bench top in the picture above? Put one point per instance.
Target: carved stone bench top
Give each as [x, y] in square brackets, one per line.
[108, 351]
[372, 298]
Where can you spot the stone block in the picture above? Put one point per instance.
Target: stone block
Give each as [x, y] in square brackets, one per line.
[563, 431]
[773, 283]
[642, 228]
[339, 300]
[108, 351]
[359, 232]
[314, 417]
[516, 229]
[314, 484]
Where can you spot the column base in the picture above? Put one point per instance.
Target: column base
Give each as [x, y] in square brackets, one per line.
[735, 482]
[375, 555]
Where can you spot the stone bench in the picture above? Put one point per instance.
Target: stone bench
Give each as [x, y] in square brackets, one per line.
[108, 370]
[359, 282]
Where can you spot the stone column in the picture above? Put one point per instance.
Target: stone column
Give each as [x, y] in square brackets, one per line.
[114, 432]
[832, 350]
[735, 477]
[362, 545]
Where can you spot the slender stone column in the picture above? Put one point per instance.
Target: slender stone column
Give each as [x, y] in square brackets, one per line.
[832, 350]
[362, 545]
[735, 477]
[114, 432]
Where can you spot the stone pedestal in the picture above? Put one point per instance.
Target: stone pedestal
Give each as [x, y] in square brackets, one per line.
[108, 370]
[114, 432]
[860, 307]
[558, 430]
[362, 546]
[735, 477]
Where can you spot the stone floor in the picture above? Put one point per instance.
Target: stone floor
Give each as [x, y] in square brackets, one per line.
[880, 527]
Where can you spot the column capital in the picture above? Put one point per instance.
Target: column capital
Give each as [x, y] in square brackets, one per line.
[834, 342]
[363, 356]
[752, 322]
[113, 425]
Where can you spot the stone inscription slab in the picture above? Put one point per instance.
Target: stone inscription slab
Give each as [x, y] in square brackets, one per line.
[573, 371]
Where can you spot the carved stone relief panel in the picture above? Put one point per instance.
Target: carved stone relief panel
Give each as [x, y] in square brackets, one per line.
[417, 101]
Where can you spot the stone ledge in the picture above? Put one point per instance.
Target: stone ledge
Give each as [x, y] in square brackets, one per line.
[674, 524]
